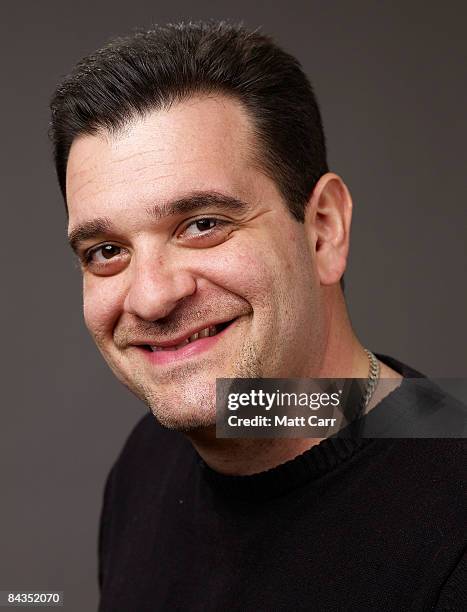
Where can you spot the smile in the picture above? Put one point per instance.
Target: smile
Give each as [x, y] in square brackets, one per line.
[207, 332]
[164, 354]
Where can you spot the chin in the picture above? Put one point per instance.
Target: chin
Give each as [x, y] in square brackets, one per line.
[186, 410]
[184, 420]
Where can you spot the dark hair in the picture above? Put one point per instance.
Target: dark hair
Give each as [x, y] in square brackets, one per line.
[153, 69]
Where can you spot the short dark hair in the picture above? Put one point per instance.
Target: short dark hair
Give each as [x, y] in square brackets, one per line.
[151, 70]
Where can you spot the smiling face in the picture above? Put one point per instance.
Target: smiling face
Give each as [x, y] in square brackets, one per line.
[180, 232]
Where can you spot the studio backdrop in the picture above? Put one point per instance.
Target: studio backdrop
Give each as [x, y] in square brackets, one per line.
[389, 78]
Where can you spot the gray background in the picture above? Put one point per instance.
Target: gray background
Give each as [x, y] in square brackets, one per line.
[390, 77]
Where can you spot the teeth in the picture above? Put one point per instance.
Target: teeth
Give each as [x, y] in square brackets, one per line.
[204, 333]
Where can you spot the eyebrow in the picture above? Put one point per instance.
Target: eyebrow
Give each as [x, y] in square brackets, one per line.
[94, 228]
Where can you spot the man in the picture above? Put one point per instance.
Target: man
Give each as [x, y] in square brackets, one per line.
[213, 239]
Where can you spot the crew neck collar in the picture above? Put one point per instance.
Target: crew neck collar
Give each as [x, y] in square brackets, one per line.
[306, 467]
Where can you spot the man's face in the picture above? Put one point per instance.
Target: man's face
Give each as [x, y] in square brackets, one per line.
[181, 232]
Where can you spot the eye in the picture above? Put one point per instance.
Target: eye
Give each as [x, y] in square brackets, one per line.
[105, 259]
[205, 232]
[200, 226]
[103, 253]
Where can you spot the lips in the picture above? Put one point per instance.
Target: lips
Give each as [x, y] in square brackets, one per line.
[184, 348]
[175, 345]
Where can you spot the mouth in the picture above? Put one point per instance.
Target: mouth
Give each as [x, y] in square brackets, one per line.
[188, 347]
[206, 332]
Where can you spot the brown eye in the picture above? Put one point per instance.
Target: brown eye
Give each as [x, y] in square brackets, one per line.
[102, 254]
[109, 250]
[198, 227]
[205, 232]
[106, 259]
[205, 224]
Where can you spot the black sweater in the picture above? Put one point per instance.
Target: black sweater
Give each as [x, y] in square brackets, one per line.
[352, 524]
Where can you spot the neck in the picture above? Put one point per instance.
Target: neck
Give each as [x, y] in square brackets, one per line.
[344, 357]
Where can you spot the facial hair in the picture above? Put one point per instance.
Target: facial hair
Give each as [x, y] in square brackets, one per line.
[195, 405]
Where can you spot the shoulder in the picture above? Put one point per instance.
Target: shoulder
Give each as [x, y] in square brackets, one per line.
[418, 407]
[149, 447]
[137, 477]
[145, 434]
[438, 463]
[150, 461]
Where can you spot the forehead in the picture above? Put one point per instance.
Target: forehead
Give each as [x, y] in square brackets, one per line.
[200, 144]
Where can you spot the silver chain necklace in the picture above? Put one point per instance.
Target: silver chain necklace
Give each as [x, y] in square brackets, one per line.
[373, 377]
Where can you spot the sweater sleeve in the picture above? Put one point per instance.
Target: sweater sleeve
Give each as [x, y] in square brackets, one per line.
[453, 596]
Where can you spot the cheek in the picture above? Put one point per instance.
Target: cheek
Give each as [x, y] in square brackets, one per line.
[247, 272]
[102, 303]
[269, 276]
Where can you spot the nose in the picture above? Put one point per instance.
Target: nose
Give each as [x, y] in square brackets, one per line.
[156, 288]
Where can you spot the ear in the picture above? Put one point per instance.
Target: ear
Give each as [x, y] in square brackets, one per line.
[327, 219]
